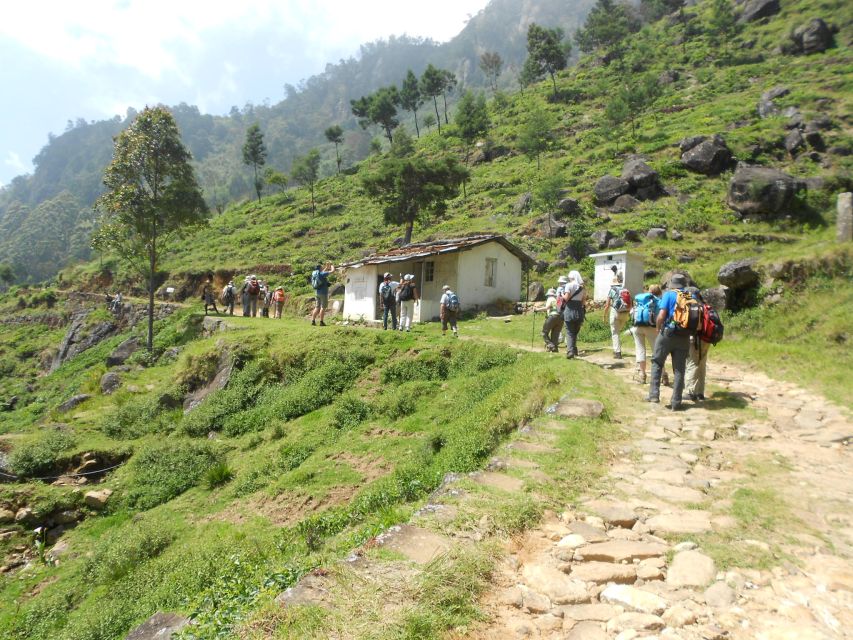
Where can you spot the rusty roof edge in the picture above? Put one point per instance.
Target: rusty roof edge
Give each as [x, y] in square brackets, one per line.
[435, 247]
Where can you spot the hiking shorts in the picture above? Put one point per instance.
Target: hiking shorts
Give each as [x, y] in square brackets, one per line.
[322, 301]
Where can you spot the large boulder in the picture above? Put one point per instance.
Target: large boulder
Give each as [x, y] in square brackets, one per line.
[815, 36]
[757, 9]
[711, 156]
[569, 207]
[72, 402]
[624, 203]
[536, 292]
[689, 142]
[549, 227]
[664, 281]
[160, 626]
[82, 336]
[656, 233]
[122, 352]
[601, 238]
[110, 381]
[522, 205]
[794, 141]
[717, 297]
[761, 192]
[767, 105]
[738, 274]
[638, 174]
[608, 188]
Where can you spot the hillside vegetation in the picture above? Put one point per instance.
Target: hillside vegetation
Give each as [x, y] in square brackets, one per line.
[239, 460]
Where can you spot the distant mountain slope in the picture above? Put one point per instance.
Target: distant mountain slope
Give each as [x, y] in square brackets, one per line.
[73, 161]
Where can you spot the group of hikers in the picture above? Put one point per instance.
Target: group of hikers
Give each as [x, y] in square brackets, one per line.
[254, 293]
[393, 294]
[675, 324]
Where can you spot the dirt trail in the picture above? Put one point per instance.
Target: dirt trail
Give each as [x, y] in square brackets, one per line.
[635, 559]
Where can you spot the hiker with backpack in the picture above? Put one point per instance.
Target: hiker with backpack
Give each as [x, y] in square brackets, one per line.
[449, 310]
[208, 297]
[679, 317]
[229, 293]
[320, 284]
[388, 301]
[617, 310]
[644, 313]
[278, 301]
[553, 324]
[573, 311]
[244, 296]
[266, 300]
[408, 296]
[252, 289]
[710, 333]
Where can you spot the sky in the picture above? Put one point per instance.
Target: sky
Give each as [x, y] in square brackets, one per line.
[62, 60]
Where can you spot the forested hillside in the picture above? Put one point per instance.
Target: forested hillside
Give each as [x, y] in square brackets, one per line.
[74, 161]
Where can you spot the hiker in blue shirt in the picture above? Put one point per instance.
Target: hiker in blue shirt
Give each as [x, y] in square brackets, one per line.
[671, 341]
[644, 329]
[320, 283]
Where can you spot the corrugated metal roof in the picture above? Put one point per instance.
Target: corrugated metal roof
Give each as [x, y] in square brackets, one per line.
[417, 250]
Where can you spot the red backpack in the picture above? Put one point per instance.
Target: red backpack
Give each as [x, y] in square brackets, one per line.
[711, 328]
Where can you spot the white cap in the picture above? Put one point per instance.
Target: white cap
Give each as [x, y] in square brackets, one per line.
[562, 280]
[551, 292]
[446, 288]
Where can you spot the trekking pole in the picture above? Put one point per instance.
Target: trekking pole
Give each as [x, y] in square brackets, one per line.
[533, 327]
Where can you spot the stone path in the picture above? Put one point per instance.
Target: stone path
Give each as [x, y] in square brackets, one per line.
[637, 557]
[629, 561]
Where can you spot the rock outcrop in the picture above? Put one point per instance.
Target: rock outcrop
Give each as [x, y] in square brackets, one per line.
[709, 156]
[815, 36]
[758, 9]
[762, 192]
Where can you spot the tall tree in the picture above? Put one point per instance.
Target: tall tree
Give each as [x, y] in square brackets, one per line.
[547, 52]
[152, 194]
[432, 86]
[276, 179]
[472, 122]
[380, 109]
[335, 135]
[410, 187]
[255, 155]
[634, 96]
[429, 121]
[448, 85]
[306, 171]
[7, 274]
[491, 64]
[723, 23]
[536, 134]
[410, 97]
[607, 26]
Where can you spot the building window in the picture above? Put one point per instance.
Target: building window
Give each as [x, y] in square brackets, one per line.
[429, 271]
[491, 272]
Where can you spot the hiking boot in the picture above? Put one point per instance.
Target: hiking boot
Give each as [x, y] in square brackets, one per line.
[570, 356]
[322, 324]
[693, 397]
[701, 397]
[676, 407]
[651, 399]
[617, 355]
[313, 323]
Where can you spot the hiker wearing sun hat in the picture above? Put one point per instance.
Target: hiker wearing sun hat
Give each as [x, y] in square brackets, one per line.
[672, 341]
[278, 301]
[388, 300]
[449, 310]
[408, 294]
[553, 324]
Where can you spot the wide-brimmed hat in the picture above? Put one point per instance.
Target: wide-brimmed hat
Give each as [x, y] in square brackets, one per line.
[562, 280]
[446, 287]
[386, 275]
[279, 288]
[551, 292]
[409, 276]
[678, 281]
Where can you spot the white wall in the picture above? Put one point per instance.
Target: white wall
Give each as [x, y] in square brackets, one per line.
[360, 293]
[630, 265]
[471, 286]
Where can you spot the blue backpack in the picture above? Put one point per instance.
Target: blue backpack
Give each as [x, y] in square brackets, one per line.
[452, 303]
[318, 280]
[645, 310]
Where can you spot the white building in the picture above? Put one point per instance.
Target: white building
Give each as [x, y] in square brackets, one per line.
[482, 270]
[630, 265]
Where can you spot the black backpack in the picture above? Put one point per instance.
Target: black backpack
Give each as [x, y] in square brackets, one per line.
[406, 293]
[387, 293]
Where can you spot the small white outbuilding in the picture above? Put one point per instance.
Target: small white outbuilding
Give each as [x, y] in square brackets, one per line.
[630, 265]
[483, 270]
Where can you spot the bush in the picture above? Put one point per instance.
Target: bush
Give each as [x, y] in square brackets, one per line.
[41, 456]
[125, 548]
[197, 370]
[350, 411]
[164, 471]
[142, 416]
[217, 475]
[428, 365]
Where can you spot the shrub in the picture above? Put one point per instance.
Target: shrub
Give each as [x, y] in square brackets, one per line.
[473, 358]
[163, 471]
[197, 370]
[217, 475]
[350, 411]
[142, 416]
[41, 456]
[125, 548]
[428, 365]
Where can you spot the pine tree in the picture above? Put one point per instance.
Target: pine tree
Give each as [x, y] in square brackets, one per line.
[491, 64]
[432, 86]
[255, 155]
[547, 53]
[410, 97]
[335, 135]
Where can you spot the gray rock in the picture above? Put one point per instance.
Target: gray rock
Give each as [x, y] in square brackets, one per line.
[717, 297]
[757, 9]
[7, 516]
[688, 143]
[844, 220]
[336, 289]
[813, 137]
[638, 174]
[690, 569]
[536, 292]
[97, 499]
[633, 599]
[522, 205]
[624, 203]
[110, 381]
[122, 352]
[160, 626]
[664, 282]
[550, 227]
[656, 233]
[761, 192]
[676, 235]
[72, 402]
[615, 243]
[81, 337]
[225, 368]
[569, 207]
[815, 36]
[794, 142]
[632, 235]
[601, 238]
[738, 274]
[767, 109]
[720, 595]
[710, 157]
[608, 188]
[776, 92]
[668, 77]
